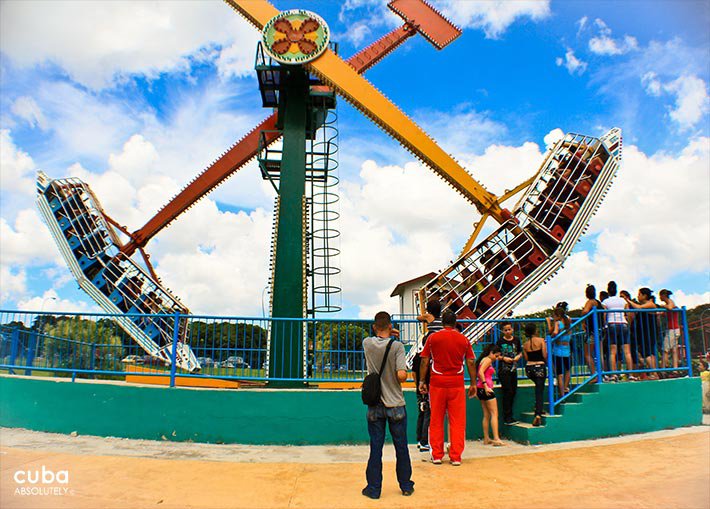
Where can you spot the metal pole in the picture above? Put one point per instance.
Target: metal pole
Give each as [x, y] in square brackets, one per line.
[688, 356]
[14, 348]
[41, 321]
[93, 358]
[550, 376]
[702, 329]
[173, 352]
[597, 348]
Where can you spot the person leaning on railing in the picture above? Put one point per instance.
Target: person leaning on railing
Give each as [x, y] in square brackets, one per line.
[558, 329]
[646, 328]
[618, 330]
[592, 303]
[535, 353]
[672, 333]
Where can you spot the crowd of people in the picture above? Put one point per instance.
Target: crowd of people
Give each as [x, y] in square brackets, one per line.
[617, 335]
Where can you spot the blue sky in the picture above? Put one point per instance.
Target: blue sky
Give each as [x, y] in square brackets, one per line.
[137, 98]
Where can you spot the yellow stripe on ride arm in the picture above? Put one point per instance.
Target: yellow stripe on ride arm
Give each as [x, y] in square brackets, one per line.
[257, 12]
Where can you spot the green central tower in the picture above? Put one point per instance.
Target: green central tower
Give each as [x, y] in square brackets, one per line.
[300, 170]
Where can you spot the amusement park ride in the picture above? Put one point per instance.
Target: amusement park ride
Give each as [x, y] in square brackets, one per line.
[299, 74]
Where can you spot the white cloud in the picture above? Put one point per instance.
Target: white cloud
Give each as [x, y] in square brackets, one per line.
[604, 44]
[362, 19]
[24, 245]
[651, 83]
[359, 32]
[138, 159]
[217, 262]
[27, 242]
[654, 67]
[570, 62]
[690, 92]
[690, 300]
[115, 39]
[84, 123]
[396, 223]
[50, 301]
[26, 108]
[401, 222]
[493, 16]
[13, 283]
[691, 100]
[553, 137]
[503, 167]
[16, 166]
[461, 131]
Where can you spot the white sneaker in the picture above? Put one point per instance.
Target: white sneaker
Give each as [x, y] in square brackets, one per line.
[436, 462]
[455, 463]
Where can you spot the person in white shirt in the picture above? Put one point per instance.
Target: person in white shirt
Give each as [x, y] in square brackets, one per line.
[617, 329]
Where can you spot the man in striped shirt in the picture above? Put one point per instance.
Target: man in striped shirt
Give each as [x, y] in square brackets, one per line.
[433, 308]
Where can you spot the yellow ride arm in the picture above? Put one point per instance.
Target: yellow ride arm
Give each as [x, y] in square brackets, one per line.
[364, 96]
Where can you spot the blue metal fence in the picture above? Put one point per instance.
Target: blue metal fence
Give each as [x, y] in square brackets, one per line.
[92, 345]
[640, 346]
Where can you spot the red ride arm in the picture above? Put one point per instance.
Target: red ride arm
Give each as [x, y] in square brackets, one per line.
[247, 148]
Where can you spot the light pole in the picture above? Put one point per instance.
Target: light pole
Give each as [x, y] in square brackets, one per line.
[41, 322]
[41, 310]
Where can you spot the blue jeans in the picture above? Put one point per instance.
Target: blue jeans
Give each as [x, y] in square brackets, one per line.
[377, 419]
[618, 334]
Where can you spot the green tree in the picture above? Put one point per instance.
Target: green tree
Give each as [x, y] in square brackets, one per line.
[77, 343]
[220, 340]
[337, 344]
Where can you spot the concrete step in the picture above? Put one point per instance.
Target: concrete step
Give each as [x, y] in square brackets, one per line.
[565, 407]
[528, 417]
[528, 425]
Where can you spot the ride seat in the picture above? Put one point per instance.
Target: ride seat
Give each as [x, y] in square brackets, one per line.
[596, 165]
[558, 232]
[466, 314]
[514, 276]
[583, 188]
[490, 297]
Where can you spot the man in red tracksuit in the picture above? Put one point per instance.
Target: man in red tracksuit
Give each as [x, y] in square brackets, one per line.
[447, 350]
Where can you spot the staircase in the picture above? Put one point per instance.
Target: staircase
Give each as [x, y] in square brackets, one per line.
[525, 433]
[608, 410]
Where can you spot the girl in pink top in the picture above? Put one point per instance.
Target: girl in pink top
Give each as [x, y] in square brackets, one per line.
[484, 392]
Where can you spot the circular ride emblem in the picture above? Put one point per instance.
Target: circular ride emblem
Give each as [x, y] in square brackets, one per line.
[295, 37]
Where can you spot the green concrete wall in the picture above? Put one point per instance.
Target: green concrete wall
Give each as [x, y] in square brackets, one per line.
[310, 416]
[619, 409]
[266, 416]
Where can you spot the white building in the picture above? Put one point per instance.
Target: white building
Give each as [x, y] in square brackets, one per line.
[409, 305]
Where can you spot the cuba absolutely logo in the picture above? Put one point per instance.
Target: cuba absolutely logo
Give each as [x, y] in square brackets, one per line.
[42, 482]
[295, 36]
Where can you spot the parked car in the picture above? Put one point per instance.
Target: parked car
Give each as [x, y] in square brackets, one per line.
[149, 360]
[207, 362]
[132, 359]
[235, 365]
[235, 360]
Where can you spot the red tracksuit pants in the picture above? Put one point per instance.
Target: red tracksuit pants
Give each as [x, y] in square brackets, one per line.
[451, 402]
